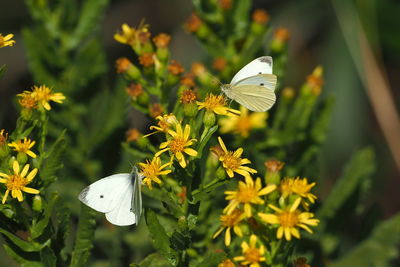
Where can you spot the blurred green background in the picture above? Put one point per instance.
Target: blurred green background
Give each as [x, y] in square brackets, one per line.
[316, 37]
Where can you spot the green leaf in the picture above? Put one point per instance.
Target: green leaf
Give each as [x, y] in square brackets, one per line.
[360, 167]
[161, 240]
[52, 161]
[22, 244]
[320, 127]
[38, 228]
[378, 249]
[84, 237]
[47, 257]
[204, 139]
[23, 261]
[152, 260]
[212, 259]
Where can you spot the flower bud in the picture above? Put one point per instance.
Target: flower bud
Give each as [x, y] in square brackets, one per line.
[209, 119]
[37, 203]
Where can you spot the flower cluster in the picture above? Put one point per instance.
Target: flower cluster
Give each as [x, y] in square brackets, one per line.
[275, 206]
[39, 98]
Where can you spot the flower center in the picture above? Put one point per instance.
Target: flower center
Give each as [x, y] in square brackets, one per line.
[252, 255]
[177, 145]
[232, 219]
[288, 219]
[212, 102]
[150, 170]
[1, 40]
[15, 182]
[22, 147]
[231, 162]
[247, 194]
[43, 93]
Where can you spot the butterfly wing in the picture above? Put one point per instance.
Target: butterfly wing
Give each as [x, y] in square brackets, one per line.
[122, 214]
[137, 195]
[261, 65]
[255, 93]
[105, 194]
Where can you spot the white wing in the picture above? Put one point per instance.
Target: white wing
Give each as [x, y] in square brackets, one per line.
[105, 194]
[255, 93]
[261, 65]
[122, 214]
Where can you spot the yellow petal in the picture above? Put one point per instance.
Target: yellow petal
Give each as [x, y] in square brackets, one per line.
[16, 167]
[25, 170]
[30, 190]
[190, 152]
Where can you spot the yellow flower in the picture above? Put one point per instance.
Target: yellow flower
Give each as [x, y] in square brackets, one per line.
[43, 95]
[164, 124]
[27, 100]
[232, 162]
[297, 186]
[179, 144]
[16, 182]
[24, 146]
[248, 193]
[6, 40]
[151, 171]
[130, 35]
[230, 221]
[244, 123]
[252, 255]
[289, 219]
[217, 104]
[226, 263]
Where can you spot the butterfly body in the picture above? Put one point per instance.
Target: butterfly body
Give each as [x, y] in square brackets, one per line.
[118, 196]
[254, 85]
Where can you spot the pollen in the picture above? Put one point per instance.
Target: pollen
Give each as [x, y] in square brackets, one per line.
[177, 145]
[231, 161]
[253, 255]
[15, 182]
[247, 194]
[289, 219]
[231, 219]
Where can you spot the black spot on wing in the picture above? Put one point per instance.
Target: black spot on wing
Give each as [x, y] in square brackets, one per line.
[84, 193]
[265, 59]
[101, 196]
[260, 72]
[261, 84]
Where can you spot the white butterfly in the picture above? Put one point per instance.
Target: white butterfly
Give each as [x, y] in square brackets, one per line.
[118, 196]
[254, 85]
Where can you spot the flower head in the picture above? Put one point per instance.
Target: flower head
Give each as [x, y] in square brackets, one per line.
[162, 40]
[6, 40]
[156, 110]
[248, 193]
[151, 170]
[16, 183]
[260, 16]
[273, 165]
[198, 69]
[217, 104]
[232, 162]
[244, 123]
[188, 80]
[315, 80]
[24, 146]
[131, 35]
[225, 4]
[164, 123]
[134, 90]
[188, 96]
[147, 59]
[226, 263]
[43, 95]
[179, 144]
[193, 23]
[219, 63]
[122, 64]
[175, 68]
[228, 222]
[132, 135]
[3, 137]
[26, 100]
[288, 219]
[251, 254]
[297, 186]
[281, 34]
